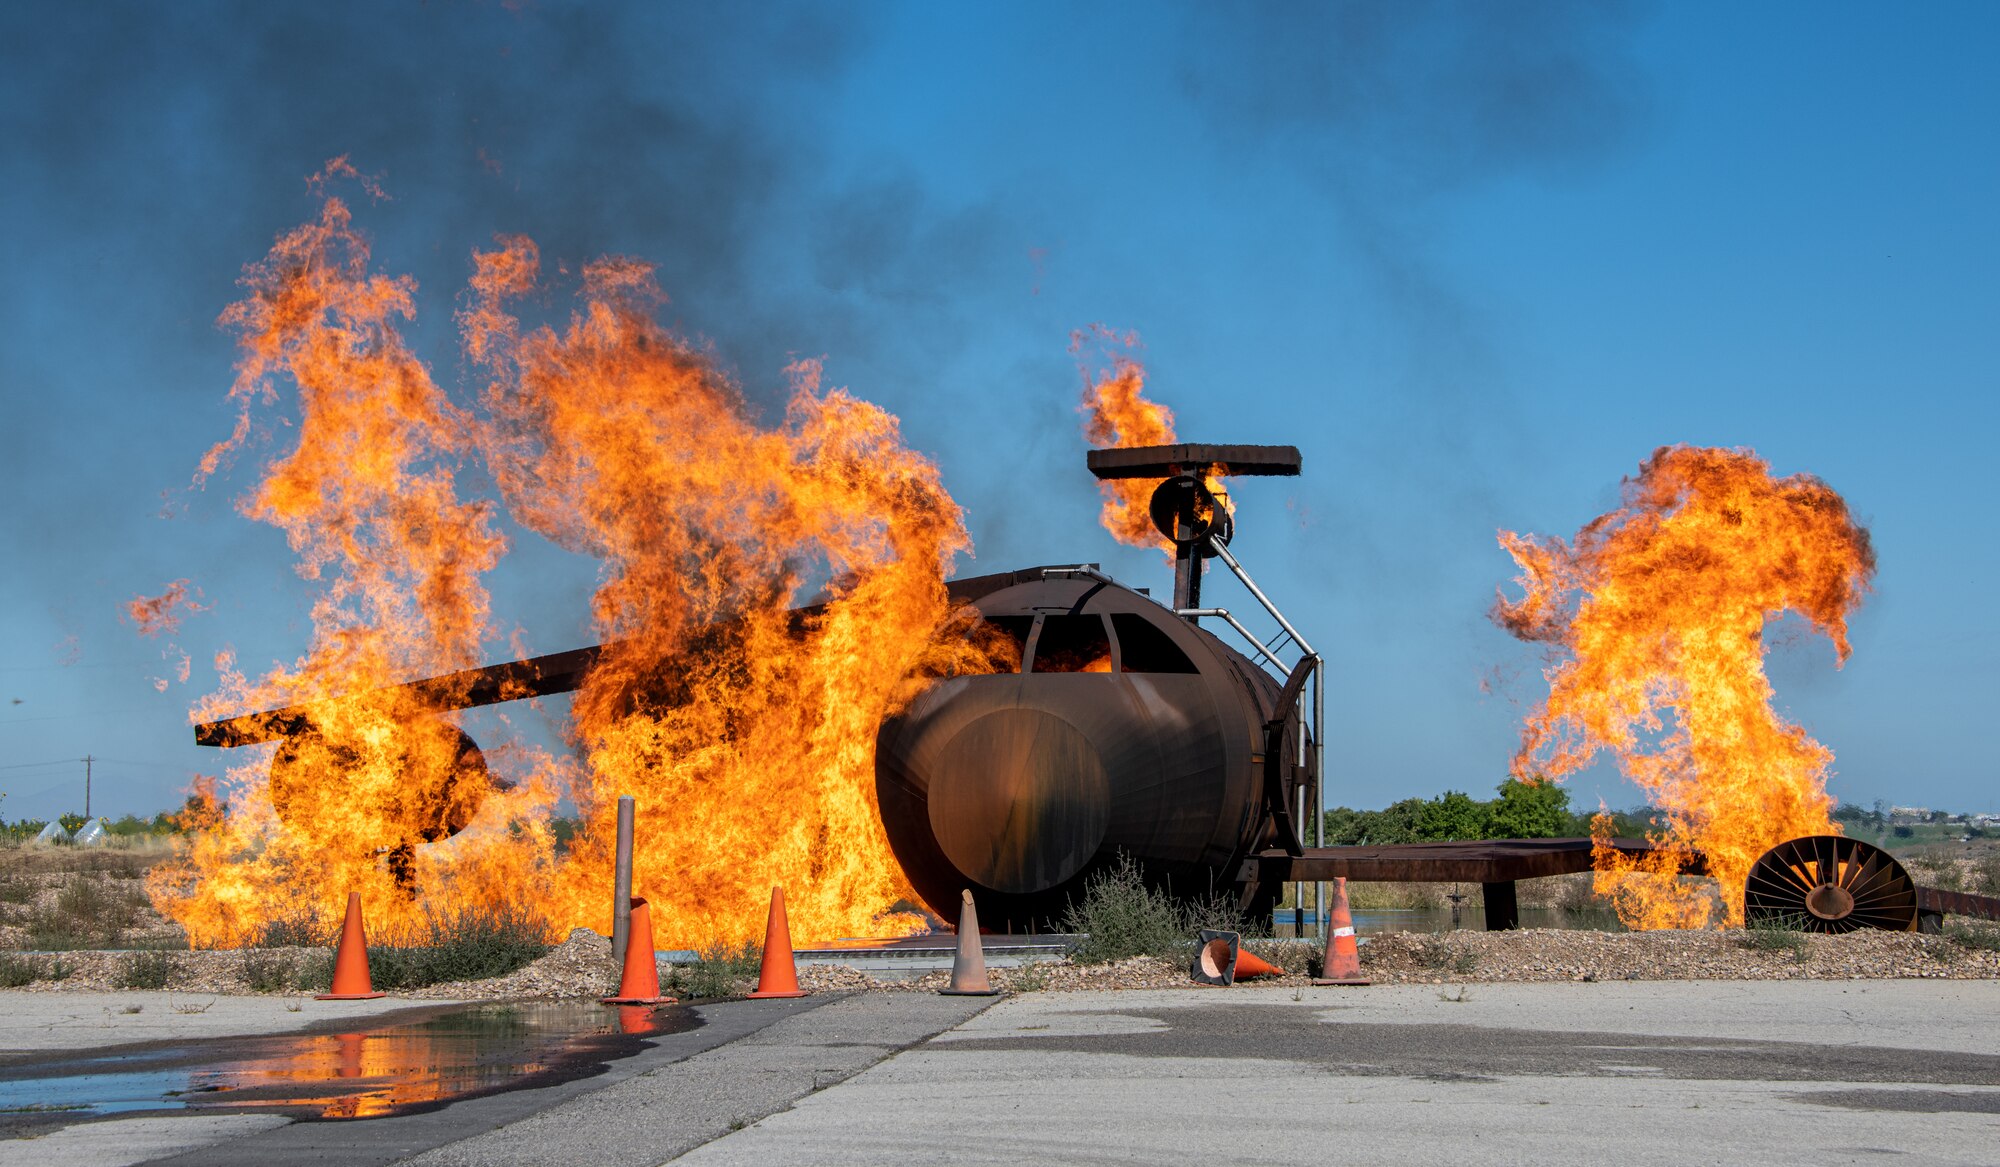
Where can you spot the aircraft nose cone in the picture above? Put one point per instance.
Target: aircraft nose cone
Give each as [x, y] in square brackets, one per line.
[1019, 800]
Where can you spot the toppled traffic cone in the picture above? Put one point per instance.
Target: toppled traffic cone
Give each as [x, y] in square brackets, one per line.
[968, 966]
[1343, 952]
[1249, 964]
[1221, 961]
[780, 975]
[350, 961]
[640, 984]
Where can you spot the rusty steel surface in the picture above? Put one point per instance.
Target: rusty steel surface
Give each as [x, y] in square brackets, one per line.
[1487, 861]
[1022, 786]
[1168, 461]
[1830, 883]
[1957, 903]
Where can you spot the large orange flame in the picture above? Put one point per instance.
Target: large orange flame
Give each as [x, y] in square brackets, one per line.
[1116, 413]
[745, 731]
[744, 728]
[1660, 607]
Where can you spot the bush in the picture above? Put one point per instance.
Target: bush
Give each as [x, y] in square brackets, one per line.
[85, 914]
[266, 972]
[314, 974]
[722, 970]
[146, 970]
[16, 971]
[296, 930]
[1441, 954]
[1776, 934]
[1122, 918]
[467, 944]
[1976, 937]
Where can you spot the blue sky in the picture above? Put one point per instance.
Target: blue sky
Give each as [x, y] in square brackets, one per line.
[1475, 260]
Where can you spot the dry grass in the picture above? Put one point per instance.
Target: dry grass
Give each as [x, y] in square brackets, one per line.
[63, 898]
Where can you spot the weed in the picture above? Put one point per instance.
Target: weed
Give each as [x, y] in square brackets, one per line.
[722, 970]
[16, 971]
[190, 1007]
[1458, 998]
[146, 970]
[314, 974]
[265, 972]
[295, 1006]
[129, 1010]
[1122, 917]
[1439, 954]
[1031, 977]
[84, 914]
[1986, 874]
[1973, 937]
[1779, 935]
[57, 969]
[299, 929]
[466, 944]
[17, 891]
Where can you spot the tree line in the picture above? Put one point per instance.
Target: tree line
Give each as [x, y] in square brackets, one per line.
[1519, 810]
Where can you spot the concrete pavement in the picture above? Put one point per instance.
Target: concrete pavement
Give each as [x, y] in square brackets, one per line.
[1631, 1073]
[1622, 1073]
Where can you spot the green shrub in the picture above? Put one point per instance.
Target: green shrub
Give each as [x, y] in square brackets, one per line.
[299, 929]
[265, 972]
[1976, 937]
[1121, 918]
[314, 974]
[1441, 954]
[85, 914]
[146, 970]
[721, 970]
[466, 944]
[1775, 934]
[16, 971]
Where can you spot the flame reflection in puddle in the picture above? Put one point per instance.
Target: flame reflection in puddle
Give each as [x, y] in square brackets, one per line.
[373, 1071]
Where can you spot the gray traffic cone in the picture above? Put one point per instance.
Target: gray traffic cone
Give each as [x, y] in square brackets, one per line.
[968, 967]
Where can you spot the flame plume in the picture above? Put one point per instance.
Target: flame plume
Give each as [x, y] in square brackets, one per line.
[744, 726]
[1660, 607]
[1116, 413]
[745, 731]
[366, 497]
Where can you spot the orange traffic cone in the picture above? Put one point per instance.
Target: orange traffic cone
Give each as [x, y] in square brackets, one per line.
[1343, 953]
[640, 984]
[350, 961]
[1220, 960]
[1249, 964]
[780, 975]
[968, 966]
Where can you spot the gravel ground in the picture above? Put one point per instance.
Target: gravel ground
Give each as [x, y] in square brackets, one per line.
[583, 967]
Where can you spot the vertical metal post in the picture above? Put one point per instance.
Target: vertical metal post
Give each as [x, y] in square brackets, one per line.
[621, 903]
[1187, 577]
[1319, 775]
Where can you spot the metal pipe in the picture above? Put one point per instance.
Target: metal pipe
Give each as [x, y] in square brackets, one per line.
[1222, 550]
[621, 892]
[1319, 776]
[1223, 614]
[1086, 570]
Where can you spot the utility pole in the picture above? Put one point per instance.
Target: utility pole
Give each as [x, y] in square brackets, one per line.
[86, 787]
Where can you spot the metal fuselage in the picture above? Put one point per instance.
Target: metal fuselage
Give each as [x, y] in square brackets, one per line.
[1127, 731]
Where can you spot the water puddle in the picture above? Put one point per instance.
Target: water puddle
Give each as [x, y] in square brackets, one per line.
[376, 1069]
